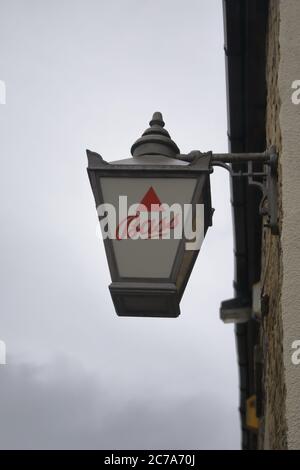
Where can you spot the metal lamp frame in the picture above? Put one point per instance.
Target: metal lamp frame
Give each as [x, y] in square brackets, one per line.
[199, 170]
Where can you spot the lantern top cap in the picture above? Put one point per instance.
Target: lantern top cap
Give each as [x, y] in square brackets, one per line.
[155, 140]
[157, 119]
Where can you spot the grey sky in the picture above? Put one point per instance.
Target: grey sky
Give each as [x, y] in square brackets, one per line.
[89, 74]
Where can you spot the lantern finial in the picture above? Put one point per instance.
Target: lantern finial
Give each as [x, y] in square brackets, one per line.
[155, 140]
[157, 119]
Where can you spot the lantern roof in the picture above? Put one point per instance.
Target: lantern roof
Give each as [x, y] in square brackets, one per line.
[155, 140]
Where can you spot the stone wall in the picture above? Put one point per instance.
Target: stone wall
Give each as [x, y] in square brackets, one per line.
[281, 254]
[273, 433]
[289, 118]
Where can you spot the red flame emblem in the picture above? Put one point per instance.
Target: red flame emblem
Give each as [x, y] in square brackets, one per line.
[150, 203]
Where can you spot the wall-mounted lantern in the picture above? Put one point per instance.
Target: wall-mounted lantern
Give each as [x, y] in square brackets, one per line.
[154, 210]
[149, 252]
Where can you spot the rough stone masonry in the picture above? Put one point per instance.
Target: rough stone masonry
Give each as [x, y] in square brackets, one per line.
[280, 277]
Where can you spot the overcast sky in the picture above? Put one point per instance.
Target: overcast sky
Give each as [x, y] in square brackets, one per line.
[89, 74]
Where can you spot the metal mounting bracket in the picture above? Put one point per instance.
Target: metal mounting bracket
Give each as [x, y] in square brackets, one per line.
[266, 180]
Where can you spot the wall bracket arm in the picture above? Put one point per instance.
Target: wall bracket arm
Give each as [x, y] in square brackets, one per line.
[267, 180]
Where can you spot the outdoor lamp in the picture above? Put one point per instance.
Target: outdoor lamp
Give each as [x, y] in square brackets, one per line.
[154, 210]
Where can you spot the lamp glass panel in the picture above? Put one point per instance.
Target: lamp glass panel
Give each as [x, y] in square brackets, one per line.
[146, 258]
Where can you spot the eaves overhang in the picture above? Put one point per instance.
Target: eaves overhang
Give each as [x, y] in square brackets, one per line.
[245, 25]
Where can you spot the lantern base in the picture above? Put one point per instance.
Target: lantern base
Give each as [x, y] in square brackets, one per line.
[135, 299]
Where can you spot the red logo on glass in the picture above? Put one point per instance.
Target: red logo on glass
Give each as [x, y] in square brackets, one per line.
[150, 225]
